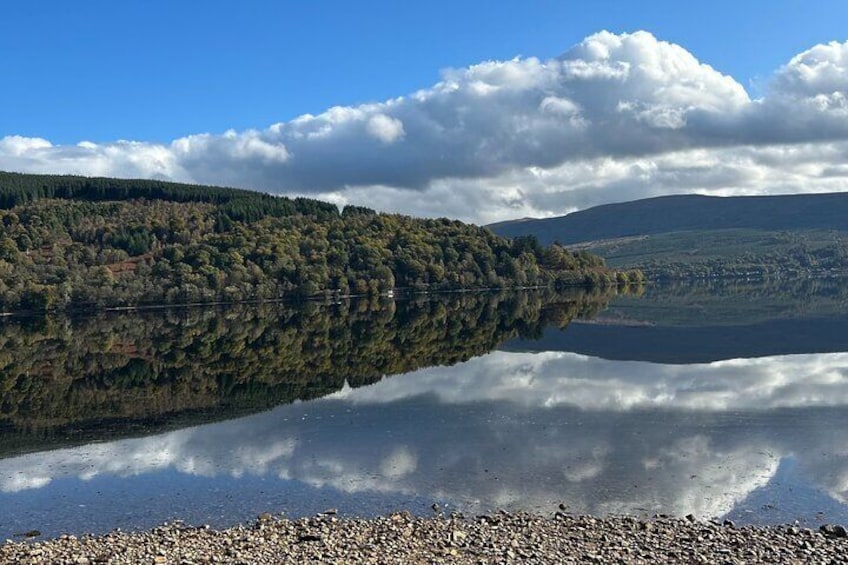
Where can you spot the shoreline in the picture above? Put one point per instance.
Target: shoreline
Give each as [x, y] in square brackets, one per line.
[403, 538]
[322, 298]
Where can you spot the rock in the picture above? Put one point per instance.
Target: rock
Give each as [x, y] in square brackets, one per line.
[834, 531]
[404, 516]
[458, 536]
[265, 517]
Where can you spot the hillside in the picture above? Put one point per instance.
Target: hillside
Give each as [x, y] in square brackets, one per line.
[78, 242]
[689, 212]
[706, 236]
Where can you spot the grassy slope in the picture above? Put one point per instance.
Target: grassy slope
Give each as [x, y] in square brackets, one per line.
[753, 247]
[688, 213]
[702, 235]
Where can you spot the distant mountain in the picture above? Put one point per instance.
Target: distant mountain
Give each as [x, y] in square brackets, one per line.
[706, 236]
[687, 213]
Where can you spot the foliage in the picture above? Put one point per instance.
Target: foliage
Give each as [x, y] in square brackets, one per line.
[78, 242]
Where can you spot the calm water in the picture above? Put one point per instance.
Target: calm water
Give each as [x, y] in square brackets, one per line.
[727, 400]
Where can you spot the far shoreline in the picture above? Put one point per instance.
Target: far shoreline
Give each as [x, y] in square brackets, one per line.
[323, 298]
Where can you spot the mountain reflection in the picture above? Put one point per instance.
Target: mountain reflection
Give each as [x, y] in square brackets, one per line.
[710, 321]
[520, 431]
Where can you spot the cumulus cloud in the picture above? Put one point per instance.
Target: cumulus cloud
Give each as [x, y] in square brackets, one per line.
[384, 128]
[17, 146]
[818, 71]
[615, 117]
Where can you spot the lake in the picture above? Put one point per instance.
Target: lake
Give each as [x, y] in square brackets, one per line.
[724, 400]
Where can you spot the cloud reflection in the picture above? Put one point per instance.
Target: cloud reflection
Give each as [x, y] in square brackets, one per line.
[521, 431]
[548, 379]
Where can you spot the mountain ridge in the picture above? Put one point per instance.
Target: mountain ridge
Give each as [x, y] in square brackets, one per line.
[686, 212]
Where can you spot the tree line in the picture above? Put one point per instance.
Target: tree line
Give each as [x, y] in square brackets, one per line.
[76, 242]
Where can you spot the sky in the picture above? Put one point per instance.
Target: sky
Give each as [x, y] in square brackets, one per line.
[477, 110]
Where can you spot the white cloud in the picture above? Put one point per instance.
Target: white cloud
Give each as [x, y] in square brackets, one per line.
[820, 70]
[17, 146]
[615, 117]
[384, 128]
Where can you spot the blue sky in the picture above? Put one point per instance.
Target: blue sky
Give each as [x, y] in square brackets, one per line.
[155, 72]
[103, 70]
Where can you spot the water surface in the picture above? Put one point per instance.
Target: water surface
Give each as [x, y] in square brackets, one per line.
[476, 402]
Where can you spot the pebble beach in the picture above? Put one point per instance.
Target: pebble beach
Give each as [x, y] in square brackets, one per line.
[403, 538]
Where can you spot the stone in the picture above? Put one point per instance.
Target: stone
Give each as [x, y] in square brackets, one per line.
[834, 531]
[458, 536]
[496, 538]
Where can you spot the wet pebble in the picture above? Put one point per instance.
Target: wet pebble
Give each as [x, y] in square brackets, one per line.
[834, 531]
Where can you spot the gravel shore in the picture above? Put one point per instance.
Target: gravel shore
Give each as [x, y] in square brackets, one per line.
[402, 538]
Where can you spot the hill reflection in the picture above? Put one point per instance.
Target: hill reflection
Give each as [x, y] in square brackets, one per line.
[68, 380]
[710, 321]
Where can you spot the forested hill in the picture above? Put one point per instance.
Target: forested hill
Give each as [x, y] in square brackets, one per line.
[687, 213]
[74, 241]
[236, 204]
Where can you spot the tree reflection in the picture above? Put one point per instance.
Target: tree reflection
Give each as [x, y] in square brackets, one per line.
[65, 379]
